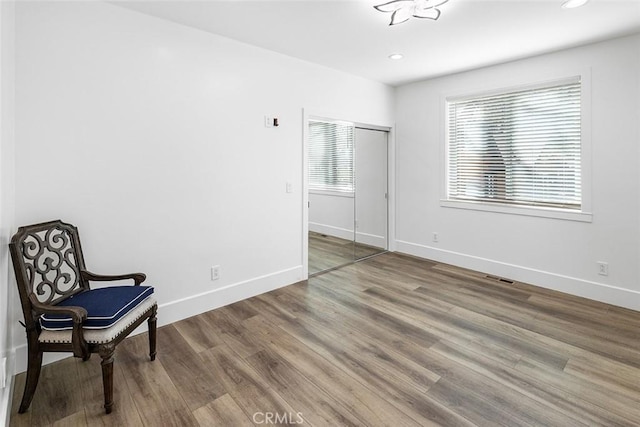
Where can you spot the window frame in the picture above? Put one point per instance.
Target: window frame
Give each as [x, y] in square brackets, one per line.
[584, 213]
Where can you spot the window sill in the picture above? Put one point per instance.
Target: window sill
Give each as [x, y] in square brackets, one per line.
[564, 214]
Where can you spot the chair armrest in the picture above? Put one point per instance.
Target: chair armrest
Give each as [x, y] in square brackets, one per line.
[77, 314]
[137, 277]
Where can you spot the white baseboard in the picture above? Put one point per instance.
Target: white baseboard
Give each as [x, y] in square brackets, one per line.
[343, 233]
[371, 240]
[197, 304]
[191, 306]
[571, 285]
[6, 393]
[330, 230]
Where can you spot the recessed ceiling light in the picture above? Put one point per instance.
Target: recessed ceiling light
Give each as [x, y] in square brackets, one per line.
[396, 56]
[570, 4]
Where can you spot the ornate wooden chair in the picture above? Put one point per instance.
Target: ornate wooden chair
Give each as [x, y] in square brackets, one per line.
[62, 313]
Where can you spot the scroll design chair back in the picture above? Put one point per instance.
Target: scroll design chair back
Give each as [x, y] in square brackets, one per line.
[52, 278]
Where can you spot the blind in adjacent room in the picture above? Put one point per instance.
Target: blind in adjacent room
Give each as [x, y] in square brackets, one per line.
[331, 156]
[520, 147]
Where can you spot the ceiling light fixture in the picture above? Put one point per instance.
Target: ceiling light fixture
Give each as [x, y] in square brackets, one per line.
[402, 10]
[396, 56]
[570, 4]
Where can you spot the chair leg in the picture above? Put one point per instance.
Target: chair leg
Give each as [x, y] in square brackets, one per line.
[152, 334]
[34, 365]
[106, 353]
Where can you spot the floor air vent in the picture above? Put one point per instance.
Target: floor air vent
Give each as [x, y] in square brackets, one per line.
[499, 279]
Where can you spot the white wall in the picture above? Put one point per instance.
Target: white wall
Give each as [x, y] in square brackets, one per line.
[150, 137]
[332, 214]
[553, 253]
[7, 285]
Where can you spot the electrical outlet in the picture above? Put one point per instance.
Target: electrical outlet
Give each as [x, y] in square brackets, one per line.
[603, 268]
[215, 272]
[268, 121]
[435, 238]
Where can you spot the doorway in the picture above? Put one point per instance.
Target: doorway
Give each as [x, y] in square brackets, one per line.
[347, 193]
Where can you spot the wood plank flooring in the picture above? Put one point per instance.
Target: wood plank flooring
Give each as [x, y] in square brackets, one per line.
[327, 252]
[390, 341]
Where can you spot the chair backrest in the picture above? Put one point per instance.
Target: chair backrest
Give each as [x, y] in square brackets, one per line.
[47, 259]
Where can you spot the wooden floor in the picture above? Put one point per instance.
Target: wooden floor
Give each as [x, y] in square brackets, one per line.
[327, 252]
[388, 341]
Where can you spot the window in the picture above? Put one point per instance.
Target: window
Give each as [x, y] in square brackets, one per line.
[331, 156]
[518, 148]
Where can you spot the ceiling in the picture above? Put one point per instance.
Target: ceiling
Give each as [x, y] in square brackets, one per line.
[350, 35]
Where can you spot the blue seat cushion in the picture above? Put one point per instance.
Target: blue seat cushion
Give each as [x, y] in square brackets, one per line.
[104, 307]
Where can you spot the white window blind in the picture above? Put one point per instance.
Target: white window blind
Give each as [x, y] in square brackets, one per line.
[331, 156]
[520, 147]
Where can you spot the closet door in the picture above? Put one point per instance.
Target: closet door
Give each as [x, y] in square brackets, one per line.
[371, 192]
[331, 194]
